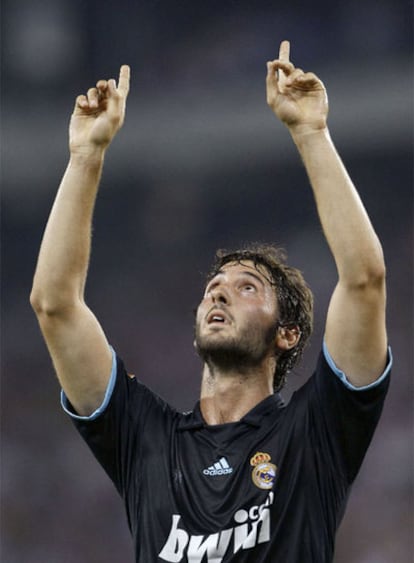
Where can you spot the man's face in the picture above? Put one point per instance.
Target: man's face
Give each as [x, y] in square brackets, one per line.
[236, 319]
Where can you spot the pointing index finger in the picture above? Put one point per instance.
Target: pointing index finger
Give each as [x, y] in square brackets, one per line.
[123, 82]
[284, 51]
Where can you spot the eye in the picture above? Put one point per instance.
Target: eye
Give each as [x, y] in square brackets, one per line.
[249, 287]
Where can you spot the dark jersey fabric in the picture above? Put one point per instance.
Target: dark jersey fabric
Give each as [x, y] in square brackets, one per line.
[270, 488]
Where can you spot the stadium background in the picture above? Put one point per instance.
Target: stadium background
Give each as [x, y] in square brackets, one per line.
[201, 163]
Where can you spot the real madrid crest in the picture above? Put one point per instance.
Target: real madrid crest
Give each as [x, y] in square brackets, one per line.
[264, 472]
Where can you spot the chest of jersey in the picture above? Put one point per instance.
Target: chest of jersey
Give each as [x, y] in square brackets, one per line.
[221, 492]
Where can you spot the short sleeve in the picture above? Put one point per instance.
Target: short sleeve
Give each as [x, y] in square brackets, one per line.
[117, 432]
[341, 420]
[67, 407]
[342, 376]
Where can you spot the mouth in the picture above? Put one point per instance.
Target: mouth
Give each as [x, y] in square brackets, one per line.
[217, 317]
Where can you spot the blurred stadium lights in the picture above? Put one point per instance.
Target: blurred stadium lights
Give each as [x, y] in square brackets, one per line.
[370, 111]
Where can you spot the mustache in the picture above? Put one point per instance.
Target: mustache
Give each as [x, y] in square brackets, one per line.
[219, 307]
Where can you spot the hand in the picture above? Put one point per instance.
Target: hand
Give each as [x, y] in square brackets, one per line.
[99, 115]
[297, 98]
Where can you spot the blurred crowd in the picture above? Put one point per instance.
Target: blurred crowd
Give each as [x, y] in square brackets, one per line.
[200, 164]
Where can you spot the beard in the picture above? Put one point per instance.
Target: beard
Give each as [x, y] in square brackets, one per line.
[244, 351]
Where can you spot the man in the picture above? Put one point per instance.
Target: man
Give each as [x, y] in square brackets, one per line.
[243, 477]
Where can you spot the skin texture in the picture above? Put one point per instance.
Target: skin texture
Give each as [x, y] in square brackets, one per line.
[245, 306]
[75, 339]
[355, 326]
[237, 337]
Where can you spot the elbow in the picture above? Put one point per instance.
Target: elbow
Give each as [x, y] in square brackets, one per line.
[364, 268]
[374, 273]
[38, 303]
[36, 300]
[371, 277]
[41, 305]
[378, 275]
[374, 280]
[51, 304]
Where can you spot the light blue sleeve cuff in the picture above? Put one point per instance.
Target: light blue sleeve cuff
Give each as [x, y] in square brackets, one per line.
[344, 378]
[108, 393]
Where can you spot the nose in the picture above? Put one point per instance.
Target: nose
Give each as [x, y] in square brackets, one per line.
[220, 295]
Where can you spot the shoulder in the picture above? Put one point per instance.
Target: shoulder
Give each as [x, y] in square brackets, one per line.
[328, 385]
[126, 397]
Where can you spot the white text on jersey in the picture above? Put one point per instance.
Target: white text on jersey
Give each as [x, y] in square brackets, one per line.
[253, 528]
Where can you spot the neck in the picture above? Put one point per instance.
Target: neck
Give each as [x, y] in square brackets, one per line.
[228, 396]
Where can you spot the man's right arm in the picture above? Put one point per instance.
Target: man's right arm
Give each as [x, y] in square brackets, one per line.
[76, 342]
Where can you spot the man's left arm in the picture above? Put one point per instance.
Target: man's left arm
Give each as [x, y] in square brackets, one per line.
[355, 328]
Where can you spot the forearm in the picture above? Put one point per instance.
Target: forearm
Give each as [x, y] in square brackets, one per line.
[64, 254]
[345, 222]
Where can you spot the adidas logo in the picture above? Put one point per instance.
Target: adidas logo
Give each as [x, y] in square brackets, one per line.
[222, 467]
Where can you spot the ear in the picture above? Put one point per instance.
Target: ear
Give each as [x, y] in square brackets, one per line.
[287, 337]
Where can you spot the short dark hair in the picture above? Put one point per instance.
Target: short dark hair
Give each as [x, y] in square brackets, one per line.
[294, 297]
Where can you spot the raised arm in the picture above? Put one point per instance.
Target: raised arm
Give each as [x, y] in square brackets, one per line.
[355, 327]
[76, 342]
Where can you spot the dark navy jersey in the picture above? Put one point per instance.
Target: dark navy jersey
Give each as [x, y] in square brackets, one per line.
[269, 488]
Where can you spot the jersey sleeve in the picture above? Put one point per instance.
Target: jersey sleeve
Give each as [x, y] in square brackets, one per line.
[342, 418]
[118, 431]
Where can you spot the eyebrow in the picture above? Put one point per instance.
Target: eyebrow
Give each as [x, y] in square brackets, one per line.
[245, 273]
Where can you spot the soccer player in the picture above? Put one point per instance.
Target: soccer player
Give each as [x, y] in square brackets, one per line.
[243, 477]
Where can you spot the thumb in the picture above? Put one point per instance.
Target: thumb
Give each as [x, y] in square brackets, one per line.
[272, 87]
[271, 78]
